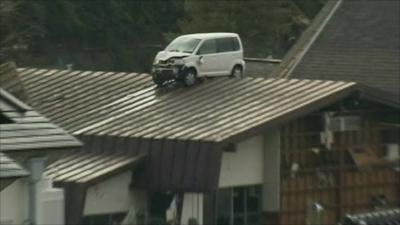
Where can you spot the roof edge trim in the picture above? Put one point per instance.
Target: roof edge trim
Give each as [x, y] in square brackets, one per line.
[14, 101]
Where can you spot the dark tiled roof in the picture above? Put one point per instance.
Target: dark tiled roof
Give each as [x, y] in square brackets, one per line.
[25, 129]
[10, 169]
[382, 217]
[129, 105]
[361, 43]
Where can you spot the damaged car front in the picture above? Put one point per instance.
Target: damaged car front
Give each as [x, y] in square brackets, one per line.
[170, 63]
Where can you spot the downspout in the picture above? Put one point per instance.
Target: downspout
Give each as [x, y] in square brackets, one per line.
[36, 168]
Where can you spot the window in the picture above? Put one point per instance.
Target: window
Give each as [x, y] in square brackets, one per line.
[208, 47]
[183, 44]
[345, 123]
[236, 45]
[234, 206]
[227, 44]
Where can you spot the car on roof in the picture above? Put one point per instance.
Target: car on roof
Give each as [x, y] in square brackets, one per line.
[192, 56]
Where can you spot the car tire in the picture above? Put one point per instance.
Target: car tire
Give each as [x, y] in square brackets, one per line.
[189, 77]
[237, 72]
[157, 80]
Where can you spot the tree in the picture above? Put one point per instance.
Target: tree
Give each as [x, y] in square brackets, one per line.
[261, 24]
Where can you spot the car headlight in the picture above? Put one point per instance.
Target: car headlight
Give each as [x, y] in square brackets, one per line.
[175, 61]
[179, 61]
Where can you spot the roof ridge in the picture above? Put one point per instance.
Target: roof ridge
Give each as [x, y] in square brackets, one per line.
[295, 54]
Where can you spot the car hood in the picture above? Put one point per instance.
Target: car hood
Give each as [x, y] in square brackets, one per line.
[165, 55]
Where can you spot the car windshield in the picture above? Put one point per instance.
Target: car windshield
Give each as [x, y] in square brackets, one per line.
[183, 44]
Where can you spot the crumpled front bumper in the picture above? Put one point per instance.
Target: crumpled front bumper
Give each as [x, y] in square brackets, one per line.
[165, 73]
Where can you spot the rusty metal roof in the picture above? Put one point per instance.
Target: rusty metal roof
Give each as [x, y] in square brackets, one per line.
[91, 167]
[22, 128]
[10, 168]
[181, 130]
[129, 105]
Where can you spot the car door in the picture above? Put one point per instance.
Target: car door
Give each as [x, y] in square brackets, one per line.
[226, 55]
[207, 53]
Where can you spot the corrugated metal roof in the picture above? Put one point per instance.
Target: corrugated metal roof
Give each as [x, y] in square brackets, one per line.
[25, 129]
[90, 167]
[169, 165]
[129, 105]
[10, 169]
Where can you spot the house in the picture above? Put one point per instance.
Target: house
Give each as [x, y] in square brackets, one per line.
[355, 41]
[28, 143]
[226, 151]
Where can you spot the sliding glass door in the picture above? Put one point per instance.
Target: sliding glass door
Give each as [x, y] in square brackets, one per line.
[234, 206]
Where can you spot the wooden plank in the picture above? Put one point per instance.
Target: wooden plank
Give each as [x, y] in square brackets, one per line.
[191, 161]
[167, 163]
[179, 163]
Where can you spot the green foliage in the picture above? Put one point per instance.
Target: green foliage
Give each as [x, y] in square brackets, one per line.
[260, 23]
[124, 35]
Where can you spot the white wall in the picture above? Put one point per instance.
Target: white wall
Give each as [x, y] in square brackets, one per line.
[272, 165]
[192, 208]
[14, 203]
[50, 205]
[111, 196]
[245, 166]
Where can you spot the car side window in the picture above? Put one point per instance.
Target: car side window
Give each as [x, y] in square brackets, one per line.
[236, 45]
[225, 44]
[208, 47]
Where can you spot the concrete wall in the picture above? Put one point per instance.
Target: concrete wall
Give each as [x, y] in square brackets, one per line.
[272, 164]
[14, 203]
[245, 166]
[260, 68]
[50, 207]
[192, 208]
[113, 196]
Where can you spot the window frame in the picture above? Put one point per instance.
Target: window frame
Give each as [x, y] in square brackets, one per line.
[198, 52]
[234, 44]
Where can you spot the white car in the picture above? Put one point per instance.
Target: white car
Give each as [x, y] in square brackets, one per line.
[192, 56]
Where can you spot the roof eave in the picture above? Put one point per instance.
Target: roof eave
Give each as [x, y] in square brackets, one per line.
[352, 90]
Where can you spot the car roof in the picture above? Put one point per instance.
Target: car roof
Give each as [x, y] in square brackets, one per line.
[211, 35]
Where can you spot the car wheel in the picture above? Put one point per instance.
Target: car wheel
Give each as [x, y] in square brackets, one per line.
[237, 72]
[189, 78]
[159, 82]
